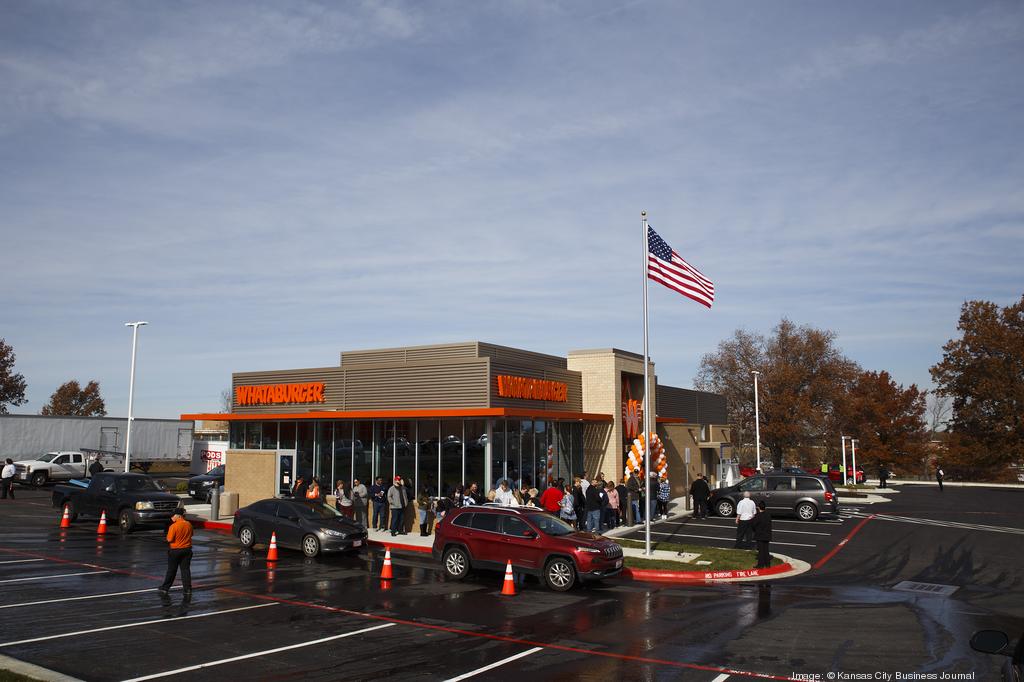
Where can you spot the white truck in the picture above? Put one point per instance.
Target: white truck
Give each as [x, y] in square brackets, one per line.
[62, 465]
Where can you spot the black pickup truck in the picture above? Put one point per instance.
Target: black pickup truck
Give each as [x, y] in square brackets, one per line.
[131, 499]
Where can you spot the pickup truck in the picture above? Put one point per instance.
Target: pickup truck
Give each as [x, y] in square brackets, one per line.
[132, 499]
[53, 466]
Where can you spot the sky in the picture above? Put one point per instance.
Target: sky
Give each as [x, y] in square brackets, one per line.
[270, 183]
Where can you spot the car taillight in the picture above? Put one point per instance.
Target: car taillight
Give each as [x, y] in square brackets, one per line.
[828, 496]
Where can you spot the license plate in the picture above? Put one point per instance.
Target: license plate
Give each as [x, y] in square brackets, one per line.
[618, 564]
[357, 543]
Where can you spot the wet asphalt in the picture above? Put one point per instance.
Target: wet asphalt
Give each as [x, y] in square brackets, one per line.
[841, 616]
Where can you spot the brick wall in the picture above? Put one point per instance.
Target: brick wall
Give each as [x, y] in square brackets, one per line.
[252, 474]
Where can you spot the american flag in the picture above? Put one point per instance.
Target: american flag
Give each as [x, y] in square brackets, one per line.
[667, 267]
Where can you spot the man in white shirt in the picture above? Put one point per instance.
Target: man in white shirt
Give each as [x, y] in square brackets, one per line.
[504, 495]
[745, 512]
[7, 479]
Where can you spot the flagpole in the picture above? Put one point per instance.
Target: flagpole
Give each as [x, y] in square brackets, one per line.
[647, 405]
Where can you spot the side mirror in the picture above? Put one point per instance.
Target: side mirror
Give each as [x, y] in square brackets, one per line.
[990, 641]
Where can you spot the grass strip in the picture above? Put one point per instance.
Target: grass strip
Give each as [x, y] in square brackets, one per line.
[721, 559]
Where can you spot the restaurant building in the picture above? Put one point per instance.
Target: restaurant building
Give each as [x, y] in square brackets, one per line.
[440, 415]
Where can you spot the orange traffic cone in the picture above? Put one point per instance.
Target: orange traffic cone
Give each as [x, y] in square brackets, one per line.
[65, 521]
[509, 587]
[272, 551]
[102, 528]
[385, 585]
[385, 573]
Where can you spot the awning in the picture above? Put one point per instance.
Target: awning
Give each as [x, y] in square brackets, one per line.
[461, 413]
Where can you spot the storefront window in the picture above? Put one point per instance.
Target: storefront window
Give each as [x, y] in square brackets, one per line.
[497, 453]
[386, 450]
[576, 448]
[343, 452]
[363, 452]
[253, 437]
[236, 435]
[476, 449]
[404, 435]
[304, 449]
[540, 439]
[561, 435]
[269, 435]
[513, 472]
[451, 454]
[527, 457]
[428, 439]
[287, 436]
[323, 462]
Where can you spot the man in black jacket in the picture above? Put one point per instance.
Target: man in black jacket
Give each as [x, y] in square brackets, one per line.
[700, 491]
[762, 527]
[596, 501]
[624, 510]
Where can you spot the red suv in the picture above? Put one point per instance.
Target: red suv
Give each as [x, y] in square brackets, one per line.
[535, 541]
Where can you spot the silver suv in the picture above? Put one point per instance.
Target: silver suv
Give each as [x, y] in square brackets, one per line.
[805, 495]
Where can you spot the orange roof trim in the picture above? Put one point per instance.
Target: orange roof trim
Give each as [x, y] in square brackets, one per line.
[403, 414]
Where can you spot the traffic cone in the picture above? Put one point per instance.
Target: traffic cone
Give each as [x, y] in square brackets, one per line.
[272, 551]
[102, 528]
[385, 573]
[509, 587]
[65, 521]
[385, 585]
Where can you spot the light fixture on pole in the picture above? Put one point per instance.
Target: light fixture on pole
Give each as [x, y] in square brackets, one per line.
[853, 449]
[757, 422]
[844, 439]
[131, 394]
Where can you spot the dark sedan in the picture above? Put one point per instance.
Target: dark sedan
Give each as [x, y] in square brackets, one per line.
[306, 525]
[200, 487]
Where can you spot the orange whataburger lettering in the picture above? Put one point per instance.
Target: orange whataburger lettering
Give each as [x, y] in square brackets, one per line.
[269, 394]
[526, 388]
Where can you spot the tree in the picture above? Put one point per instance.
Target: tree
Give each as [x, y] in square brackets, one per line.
[227, 401]
[983, 373]
[12, 385]
[803, 378]
[938, 410]
[71, 399]
[887, 420]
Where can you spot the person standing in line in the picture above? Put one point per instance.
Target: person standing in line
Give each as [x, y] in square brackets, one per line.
[397, 500]
[300, 488]
[652, 503]
[633, 498]
[700, 492]
[551, 498]
[359, 502]
[380, 514]
[579, 504]
[664, 493]
[745, 511]
[342, 500]
[179, 554]
[474, 494]
[612, 515]
[7, 479]
[762, 527]
[443, 506]
[504, 495]
[620, 488]
[567, 505]
[592, 506]
[939, 475]
[584, 482]
[313, 491]
[423, 508]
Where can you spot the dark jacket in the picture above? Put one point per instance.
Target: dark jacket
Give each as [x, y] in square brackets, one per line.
[623, 496]
[762, 526]
[377, 493]
[299, 491]
[596, 499]
[700, 489]
[579, 500]
[95, 468]
[634, 487]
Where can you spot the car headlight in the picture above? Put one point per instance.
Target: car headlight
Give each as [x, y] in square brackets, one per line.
[141, 506]
[207, 483]
[333, 533]
[588, 550]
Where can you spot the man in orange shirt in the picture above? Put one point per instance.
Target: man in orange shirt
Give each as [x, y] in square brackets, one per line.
[179, 553]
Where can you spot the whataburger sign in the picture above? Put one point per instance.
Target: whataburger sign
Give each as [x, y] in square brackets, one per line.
[526, 388]
[269, 394]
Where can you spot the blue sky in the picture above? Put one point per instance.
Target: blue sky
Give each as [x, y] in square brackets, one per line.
[268, 183]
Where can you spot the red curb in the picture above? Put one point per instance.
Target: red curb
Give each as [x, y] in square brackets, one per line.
[210, 525]
[700, 576]
[399, 546]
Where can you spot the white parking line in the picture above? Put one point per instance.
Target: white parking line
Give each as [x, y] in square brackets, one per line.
[777, 530]
[708, 537]
[473, 673]
[91, 596]
[48, 577]
[19, 561]
[721, 678]
[75, 633]
[222, 661]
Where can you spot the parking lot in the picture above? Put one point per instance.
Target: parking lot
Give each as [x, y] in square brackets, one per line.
[88, 608]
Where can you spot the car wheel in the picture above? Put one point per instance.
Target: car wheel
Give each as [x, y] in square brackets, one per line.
[126, 521]
[456, 563]
[560, 574]
[310, 546]
[725, 508]
[247, 536]
[806, 511]
[39, 479]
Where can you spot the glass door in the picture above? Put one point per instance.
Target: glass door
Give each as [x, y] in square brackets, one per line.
[285, 472]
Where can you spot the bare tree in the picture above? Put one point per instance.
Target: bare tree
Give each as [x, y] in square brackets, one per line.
[938, 411]
[226, 400]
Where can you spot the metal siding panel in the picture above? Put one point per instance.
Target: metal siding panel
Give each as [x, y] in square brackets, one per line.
[519, 357]
[390, 356]
[712, 408]
[456, 385]
[677, 403]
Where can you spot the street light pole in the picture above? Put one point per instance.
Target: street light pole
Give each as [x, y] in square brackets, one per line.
[853, 450]
[757, 422]
[131, 394]
[844, 439]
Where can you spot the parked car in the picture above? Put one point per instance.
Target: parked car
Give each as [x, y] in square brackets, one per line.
[835, 474]
[804, 495]
[305, 525]
[534, 541]
[132, 499]
[53, 466]
[201, 487]
[996, 642]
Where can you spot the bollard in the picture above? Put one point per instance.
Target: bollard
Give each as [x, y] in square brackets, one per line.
[215, 503]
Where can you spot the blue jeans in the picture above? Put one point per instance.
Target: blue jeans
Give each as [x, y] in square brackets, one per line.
[638, 517]
[594, 521]
[380, 516]
[396, 521]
